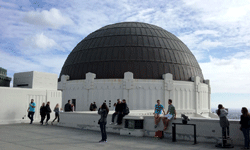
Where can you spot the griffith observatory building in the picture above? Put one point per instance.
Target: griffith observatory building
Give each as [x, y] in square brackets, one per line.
[138, 62]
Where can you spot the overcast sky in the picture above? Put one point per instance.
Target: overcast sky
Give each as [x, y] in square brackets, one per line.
[38, 35]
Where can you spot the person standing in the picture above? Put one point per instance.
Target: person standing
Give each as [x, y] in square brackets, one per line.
[103, 111]
[31, 110]
[224, 123]
[67, 107]
[56, 110]
[158, 111]
[48, 111]
[170, 114]
[42, 113]
[118, 110]
[245, 126]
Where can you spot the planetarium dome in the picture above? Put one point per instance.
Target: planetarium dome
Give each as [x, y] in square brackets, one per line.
[146, 50]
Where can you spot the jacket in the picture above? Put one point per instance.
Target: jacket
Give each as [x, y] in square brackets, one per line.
[67, 107]
[223, 118]
[104, 114]
[48, 110]
[119, 107]
[244, 121]
[43, 110]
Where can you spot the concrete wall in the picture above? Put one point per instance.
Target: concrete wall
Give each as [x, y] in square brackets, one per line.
[35, 80]
[15, 103]
[188, 97]
[42, 87]
[208, 130]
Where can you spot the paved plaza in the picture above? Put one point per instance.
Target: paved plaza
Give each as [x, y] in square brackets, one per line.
[36, 137]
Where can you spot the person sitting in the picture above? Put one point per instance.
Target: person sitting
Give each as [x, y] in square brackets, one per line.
[124, 112]
[170, 114]
[224, 123]
[91, 107]
[94, 107]
[67, 107]
[118, 109]
[158, 111]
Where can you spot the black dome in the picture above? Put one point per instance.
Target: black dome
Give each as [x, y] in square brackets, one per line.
[144, 49]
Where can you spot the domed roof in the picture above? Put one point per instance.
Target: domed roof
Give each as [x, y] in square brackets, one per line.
[144, 49]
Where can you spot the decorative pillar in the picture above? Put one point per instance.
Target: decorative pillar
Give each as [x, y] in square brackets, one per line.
[197, 93]
[89, 85]
[209, 94]
[128, 84]
[168, 88]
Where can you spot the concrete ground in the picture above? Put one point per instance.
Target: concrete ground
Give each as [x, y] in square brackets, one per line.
[36, 137]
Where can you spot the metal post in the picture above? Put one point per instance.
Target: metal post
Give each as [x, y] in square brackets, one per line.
[173, 132]
[195, 134]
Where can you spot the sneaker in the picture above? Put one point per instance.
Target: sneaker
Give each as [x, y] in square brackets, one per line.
[101, 141]
[155, 126]
[111, 123]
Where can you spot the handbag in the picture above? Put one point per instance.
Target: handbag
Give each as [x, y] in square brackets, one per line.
[159, 134]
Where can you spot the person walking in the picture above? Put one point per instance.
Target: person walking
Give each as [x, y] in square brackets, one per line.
[103, 111]
[56, 110]
[42, 113]
[67, 107]
[224, 123]
[31, 110]
[48, 111]
[245, 126]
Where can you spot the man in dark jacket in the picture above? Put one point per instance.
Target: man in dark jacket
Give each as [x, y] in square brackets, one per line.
[42, 113]
[67, 107]
[94, 107]
[48, 111]
[124, 111]
[118, 109]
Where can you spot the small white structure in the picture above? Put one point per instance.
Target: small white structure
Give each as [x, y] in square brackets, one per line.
[42, 87]
[192, 98]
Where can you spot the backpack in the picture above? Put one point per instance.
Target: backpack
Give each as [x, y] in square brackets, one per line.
[126, 111]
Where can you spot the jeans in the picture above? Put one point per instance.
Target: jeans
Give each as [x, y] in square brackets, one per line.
[30, 115]
[57, 116]
[119, 119]
[246, 136]
[42, 118]
[103, 131]
[225, 131]
[113, 116]
[48, 117]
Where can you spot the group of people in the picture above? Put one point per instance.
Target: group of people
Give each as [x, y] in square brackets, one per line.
[166, 117]
[121, 109]
[44, 112]
[244, 122]
[92, 107]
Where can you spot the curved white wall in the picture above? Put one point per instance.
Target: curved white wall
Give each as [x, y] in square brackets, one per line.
[141, 94]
